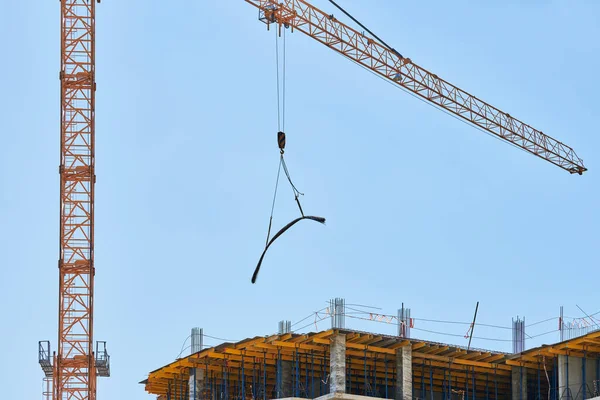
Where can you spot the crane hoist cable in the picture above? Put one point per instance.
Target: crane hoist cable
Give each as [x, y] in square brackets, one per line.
[365, 28]
[281, 141]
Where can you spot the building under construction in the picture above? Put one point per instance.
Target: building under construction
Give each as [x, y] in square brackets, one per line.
[344, 363]
[313, 365]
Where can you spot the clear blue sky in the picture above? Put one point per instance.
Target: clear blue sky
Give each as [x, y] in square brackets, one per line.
[420, 208]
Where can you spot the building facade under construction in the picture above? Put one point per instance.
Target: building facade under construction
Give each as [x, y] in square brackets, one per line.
[343, 363]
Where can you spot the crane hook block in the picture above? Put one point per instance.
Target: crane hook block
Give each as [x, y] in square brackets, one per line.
[281, 140]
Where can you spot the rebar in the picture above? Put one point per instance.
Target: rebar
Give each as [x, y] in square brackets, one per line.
[197, 340]
[337, 309]
[518, 335]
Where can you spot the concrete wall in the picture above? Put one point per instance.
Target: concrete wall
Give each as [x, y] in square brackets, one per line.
[575, 376]
[287, 379]
[518, 383]
[199, 380]
[404, 373]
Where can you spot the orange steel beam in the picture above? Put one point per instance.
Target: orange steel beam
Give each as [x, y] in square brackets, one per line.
[74, 368]
[325, 28]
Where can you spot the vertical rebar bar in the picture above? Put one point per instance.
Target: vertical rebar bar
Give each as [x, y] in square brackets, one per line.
[518, 333]
[197, 339]
[337, 309]
[561, 325]
[404, 322]
[472, 329]
[284, 327]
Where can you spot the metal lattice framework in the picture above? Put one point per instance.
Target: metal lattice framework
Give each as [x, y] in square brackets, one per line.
[325, 28]
[75, 372]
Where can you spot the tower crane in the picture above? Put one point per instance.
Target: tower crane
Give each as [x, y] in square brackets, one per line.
[373, 54]
[71, 372]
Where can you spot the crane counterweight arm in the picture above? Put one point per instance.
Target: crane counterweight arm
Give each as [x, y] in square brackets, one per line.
[302, 16]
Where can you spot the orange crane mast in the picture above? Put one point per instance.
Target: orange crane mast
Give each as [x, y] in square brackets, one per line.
[391, 65]
[74, 368]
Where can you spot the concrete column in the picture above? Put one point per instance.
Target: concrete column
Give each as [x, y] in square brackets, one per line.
[404, 373]
[566, 374]
[519, 383]
[287, 379]
[576, 382]
[196, 383]
[337, 360]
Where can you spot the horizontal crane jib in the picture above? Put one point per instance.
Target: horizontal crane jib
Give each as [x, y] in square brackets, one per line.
[300, 15]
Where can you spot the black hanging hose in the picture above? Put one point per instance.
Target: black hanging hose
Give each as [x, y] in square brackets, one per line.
[281, 231]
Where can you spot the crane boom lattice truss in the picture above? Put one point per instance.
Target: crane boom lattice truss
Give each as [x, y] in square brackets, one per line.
[325, 28]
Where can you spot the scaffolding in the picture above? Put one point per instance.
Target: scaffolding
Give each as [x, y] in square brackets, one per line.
[299, 365]
[294, 365]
